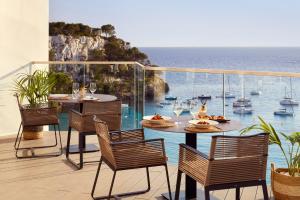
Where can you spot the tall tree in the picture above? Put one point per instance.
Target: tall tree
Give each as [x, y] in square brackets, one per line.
[108, 30]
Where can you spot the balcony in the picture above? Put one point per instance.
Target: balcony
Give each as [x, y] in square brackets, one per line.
[145, 91]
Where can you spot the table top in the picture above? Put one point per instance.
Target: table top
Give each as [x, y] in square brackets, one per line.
[69, 99]
[182, 126]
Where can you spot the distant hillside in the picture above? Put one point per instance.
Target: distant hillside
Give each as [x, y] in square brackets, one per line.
[78, 42]
[83, 43]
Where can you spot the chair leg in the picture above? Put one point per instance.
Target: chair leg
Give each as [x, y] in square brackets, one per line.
[206, 191]
[96, 178]
[55, 134]
[237, 193]
[61, 148]
[68, 142]
[15, 145]
[148, 180]
[168, 182]
[81, 139]
[112, 184]
[19, 139]
[178, 182]
[265, 190]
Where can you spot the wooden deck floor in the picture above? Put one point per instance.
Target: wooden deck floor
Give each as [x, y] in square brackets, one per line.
[53, 178]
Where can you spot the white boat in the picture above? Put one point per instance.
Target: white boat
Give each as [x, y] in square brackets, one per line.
[165, 103]
[159, 105]
[258, 90]
[242, 102]
[242, 111]
[255, 92]
[289, 101]
[284, 112]
[228, 94]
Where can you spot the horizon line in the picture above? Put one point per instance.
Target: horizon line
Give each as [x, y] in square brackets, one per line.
[217, 46]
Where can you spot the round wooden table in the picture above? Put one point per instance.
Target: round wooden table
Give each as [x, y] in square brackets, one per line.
[68, 99]
[191, 140]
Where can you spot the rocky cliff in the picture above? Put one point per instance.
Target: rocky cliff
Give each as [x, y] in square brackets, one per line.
[66, 48]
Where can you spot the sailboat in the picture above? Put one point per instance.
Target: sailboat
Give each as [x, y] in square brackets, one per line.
[243, 110]
[228, 94]
[289, 101]
[257, 91]
[242, 102]
[284, 112]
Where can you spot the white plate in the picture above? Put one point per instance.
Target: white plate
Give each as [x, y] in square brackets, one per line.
[58, 95]
[149, 119]
[89, 98]
[195, 123]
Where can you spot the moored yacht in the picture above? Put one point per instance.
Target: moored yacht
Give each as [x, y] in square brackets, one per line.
[242, 102]
[289, 101]
[243, 110]
[284, 112]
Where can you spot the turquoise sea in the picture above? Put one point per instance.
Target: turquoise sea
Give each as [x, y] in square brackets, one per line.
[188, 85]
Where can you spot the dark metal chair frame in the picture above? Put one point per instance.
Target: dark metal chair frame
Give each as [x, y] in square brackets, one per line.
[206, 166]
[86, 119]
[42, 111]
[117, 141]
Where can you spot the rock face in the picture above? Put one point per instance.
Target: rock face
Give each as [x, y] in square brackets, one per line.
[68, 48]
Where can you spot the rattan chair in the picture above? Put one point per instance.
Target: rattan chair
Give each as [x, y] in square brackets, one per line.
[234, 162]
[110, 112]
[124, 150]
[42, 115]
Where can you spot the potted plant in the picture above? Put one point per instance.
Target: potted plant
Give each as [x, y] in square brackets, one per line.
[285, 182]
[35, 88]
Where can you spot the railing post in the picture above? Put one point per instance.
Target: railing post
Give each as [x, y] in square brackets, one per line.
[224, 97]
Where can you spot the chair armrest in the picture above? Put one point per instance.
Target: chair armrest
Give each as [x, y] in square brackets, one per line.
[193, 163]
[76, 120]
[127, 135]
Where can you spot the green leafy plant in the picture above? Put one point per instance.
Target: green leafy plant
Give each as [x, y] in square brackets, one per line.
[35, 87]
[292, 154]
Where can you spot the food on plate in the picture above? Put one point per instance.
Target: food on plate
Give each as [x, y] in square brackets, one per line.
[204, 116]
[203, 122]
[217, 117]
[157, 117]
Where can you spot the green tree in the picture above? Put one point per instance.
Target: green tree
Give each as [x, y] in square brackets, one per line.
[108, 30]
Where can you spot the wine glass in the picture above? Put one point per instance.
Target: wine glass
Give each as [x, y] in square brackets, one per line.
[177, 109]
[194, 110]
[93, 88]
[75, 89]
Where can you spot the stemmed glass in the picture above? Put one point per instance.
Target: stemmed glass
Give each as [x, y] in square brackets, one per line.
[194, 110]
[177, 109]
[75, 89]
[93, 88]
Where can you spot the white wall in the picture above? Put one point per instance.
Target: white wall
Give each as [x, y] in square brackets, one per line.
[23, 38]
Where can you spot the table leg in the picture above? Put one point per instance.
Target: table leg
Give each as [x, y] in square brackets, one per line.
[190, 184]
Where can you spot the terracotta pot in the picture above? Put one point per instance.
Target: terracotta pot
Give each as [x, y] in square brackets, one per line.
[284, 187]
[32, 132]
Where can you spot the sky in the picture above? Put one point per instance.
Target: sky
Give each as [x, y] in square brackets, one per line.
[189, 23]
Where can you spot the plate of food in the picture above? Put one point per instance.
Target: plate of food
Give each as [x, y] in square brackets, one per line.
[156, 119]
[200, 123]
[220, 119]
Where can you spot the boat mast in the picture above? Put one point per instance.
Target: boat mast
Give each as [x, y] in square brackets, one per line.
[291, 87]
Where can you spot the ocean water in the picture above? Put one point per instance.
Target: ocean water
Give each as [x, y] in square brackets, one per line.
[188, 85]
